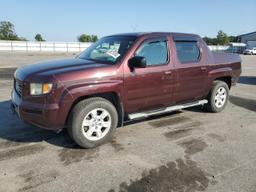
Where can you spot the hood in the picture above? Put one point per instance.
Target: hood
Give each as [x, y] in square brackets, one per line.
[55, 67]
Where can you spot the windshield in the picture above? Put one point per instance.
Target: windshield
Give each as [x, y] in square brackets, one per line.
[108, 49]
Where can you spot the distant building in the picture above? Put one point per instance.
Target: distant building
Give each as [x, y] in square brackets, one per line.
[249, 39]
[236, 47]
[230, 48]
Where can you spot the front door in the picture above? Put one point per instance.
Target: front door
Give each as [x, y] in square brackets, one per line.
[150, 87]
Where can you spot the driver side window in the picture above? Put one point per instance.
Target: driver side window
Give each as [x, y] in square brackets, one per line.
[155, 52]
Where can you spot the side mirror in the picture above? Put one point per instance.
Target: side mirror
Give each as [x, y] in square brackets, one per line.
[137, 62]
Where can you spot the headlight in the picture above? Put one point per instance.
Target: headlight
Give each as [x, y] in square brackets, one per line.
[40, 89]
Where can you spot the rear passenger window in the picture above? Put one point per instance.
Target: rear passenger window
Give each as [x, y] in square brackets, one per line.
[155, 52]
[187, 51]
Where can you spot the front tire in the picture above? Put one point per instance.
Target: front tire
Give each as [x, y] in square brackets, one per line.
[218, 97]
[93, 122]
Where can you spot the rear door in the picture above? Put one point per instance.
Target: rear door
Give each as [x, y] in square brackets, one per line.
[150, 87]
[190, 68]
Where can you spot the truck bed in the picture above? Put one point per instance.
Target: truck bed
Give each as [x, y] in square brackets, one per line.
[226, 58]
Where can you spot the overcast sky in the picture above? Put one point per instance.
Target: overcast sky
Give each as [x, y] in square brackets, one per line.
[64, 20]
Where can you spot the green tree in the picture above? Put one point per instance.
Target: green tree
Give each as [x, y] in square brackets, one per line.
[21, 39]
[222, 38]
[210, 41]
[94, 38]
[87, 38]
[39, 37]
[7, 31]
[84, 38]
[233, 39]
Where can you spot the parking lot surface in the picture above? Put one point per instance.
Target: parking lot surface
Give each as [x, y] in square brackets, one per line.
[189, 150]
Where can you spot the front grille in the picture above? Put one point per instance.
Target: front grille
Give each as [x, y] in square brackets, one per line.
[18, 87]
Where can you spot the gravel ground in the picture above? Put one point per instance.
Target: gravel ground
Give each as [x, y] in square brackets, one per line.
[190, 150]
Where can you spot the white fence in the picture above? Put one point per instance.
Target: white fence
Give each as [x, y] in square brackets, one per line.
[218, 47]
[46, 46]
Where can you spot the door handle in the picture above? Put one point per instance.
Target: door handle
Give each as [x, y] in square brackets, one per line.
[167, 72]
[203, 68]
[167, 75]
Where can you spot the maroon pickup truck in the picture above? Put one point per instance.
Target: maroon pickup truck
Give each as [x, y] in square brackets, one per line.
[123, 77]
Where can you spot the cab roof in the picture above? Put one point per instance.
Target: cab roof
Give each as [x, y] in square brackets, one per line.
[139, 34]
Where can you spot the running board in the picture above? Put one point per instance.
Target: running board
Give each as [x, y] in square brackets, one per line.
[166, 110]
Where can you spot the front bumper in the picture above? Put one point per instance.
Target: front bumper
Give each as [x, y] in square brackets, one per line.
[39, 114]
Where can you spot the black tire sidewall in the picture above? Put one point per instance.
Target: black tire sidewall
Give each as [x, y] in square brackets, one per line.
[79, 114]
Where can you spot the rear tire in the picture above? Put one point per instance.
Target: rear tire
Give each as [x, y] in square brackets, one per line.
[92, 122]
[218, 97]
